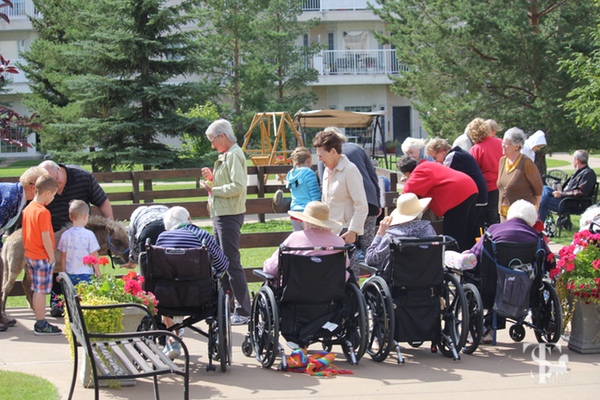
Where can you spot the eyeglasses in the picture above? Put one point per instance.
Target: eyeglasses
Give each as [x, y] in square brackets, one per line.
[214, 138]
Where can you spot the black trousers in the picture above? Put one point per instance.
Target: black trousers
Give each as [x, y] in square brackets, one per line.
[459, 222]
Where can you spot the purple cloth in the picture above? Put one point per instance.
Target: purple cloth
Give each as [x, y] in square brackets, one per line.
[513, 230]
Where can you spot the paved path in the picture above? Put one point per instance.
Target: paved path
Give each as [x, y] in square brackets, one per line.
[500, 372]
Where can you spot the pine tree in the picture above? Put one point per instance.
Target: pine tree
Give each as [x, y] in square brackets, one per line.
[494, 59]
[110, 75]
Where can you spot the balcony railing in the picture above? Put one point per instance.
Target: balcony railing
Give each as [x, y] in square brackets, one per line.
[337, 5]
[21, 9]
[15, 78]
[355, 62]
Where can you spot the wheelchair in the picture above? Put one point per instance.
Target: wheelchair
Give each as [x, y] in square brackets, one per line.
[509, 282]
[310, 302]
[417, 300]
[187, 290]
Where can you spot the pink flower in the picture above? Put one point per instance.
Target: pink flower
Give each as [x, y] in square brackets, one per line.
[89, 260]
[596, 264]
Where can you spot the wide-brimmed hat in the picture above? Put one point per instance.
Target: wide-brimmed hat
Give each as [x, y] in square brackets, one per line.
[316, 213]
[408, 207]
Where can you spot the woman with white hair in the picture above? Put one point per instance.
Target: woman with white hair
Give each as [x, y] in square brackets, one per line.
[518, 176]
[181, 233]
[415, 148]
[518, 227]
[226, 186]
[591, 214]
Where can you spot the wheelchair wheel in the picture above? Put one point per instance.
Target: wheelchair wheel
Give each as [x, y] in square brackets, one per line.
[264, 327]
[380, 311]
[224, 330]
[475, 310]
[454, 317]
[517, 332]
[355, 323]
[547, 318]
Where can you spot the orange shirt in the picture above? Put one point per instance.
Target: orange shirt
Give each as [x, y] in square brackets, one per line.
[36, 219]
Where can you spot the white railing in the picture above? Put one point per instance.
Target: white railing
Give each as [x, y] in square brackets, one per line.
[355, 62]
[15, 78]
[338, 5]
[20, 9]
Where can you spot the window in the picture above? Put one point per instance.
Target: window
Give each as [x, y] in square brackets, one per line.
[358, 132]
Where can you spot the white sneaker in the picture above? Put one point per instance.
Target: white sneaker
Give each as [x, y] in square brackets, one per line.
[172, 350]
[237, 319]
[488, 337]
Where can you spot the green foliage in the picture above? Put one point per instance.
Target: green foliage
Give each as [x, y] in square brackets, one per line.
[104, 79]
[20, 386]
[249, 54]
[196, 147]
[495, 59]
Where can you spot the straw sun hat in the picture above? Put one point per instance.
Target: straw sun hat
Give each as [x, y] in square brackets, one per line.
[408, 207]
[316, 213]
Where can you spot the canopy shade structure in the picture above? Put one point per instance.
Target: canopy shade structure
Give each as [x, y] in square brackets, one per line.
[343, 119]
[339, 118]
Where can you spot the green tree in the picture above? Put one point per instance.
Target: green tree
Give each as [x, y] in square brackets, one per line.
[109, 75]
[584, 99]
[494, 59]
[250, 55]
[288, 63]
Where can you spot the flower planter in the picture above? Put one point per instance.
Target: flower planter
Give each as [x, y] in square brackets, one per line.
[131, 321]
[585, 328]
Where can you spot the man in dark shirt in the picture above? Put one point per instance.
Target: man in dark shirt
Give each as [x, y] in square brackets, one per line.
[74, 183]
[580, 184]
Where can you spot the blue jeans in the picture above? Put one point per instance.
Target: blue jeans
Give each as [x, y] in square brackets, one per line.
[548, 202]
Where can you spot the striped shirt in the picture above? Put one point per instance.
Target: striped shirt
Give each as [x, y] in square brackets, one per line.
[191, 236]
[81, 185]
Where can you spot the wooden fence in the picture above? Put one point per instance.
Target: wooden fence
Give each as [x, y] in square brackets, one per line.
[138, 190]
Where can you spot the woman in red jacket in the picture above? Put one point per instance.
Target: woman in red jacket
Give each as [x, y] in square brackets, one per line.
[453, 196]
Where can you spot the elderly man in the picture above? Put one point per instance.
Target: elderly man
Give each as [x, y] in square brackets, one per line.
[74, 183]
[580, 184]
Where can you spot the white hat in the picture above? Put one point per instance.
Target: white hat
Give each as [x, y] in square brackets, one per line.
[408, 207]
[316, 213]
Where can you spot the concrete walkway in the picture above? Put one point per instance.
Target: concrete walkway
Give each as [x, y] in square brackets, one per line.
[508, 370]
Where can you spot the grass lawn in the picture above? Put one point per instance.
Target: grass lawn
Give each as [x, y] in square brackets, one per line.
[20, 386]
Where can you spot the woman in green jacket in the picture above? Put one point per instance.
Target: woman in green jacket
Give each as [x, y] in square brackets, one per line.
[226, 186]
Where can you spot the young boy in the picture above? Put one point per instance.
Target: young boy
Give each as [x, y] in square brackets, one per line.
[78, 242]
[38, 241]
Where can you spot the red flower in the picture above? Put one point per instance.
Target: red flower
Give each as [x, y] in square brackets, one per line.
[89, 260]
[103, 261]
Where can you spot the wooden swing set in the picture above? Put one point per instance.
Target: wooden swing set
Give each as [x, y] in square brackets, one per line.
[273, 145]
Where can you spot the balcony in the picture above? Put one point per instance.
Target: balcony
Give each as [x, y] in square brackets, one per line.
[338, 5]
[21, 9]
[357, 62]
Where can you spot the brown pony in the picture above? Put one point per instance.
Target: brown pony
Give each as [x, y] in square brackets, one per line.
[111, 235]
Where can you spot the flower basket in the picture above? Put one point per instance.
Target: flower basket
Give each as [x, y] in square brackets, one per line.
[110, 289]
[577, 276]
[390, 147]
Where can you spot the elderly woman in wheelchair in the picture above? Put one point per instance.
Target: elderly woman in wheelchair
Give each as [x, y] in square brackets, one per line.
[309, 294]
[510, 282]
[180, 233]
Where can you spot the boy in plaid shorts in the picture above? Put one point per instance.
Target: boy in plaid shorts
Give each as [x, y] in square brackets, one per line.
[38, 241]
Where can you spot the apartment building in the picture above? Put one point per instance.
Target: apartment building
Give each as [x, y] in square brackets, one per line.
[354, 68]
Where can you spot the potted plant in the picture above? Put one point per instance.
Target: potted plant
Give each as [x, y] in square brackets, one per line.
[390, 146]
[577, 276]
[111, 289]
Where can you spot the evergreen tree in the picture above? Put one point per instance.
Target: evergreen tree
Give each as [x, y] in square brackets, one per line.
[494, 59]
[111, 75]
[288, 60]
